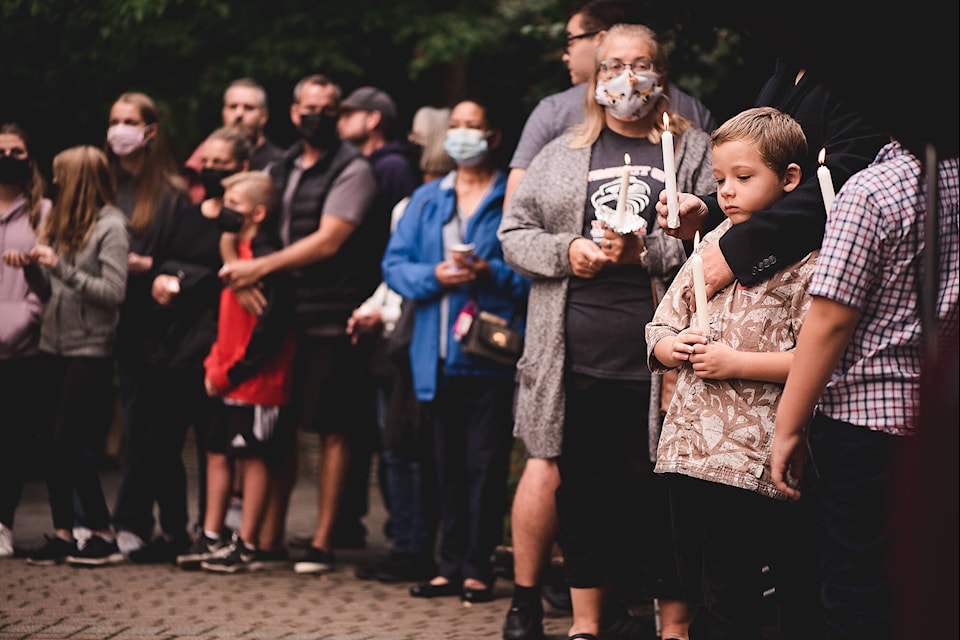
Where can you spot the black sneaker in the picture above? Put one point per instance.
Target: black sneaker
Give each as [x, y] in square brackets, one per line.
[203, 548]
[238, 559]
[273, 559]
[54, 551]
[160, 550]
[316, 561]
[96, 552]
[524, 621]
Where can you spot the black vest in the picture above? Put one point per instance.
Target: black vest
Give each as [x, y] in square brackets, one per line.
[327, 292]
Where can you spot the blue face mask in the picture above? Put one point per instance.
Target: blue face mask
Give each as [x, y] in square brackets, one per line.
[467, 147]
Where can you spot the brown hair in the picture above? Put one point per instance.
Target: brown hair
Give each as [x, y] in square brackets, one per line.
[237, 138]
[86, 185]
[159, 166]
[594, 120]
[779, 139]
[32, 188]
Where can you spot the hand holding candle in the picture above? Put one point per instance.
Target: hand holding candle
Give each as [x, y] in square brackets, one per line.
[700, 287]
[670, 175]
[624, 188]
[826, 182]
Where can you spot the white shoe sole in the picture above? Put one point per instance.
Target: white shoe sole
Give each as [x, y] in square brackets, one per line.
[78, 561]
[311, 567]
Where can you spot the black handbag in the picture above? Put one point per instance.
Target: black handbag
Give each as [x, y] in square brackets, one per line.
[491, 337]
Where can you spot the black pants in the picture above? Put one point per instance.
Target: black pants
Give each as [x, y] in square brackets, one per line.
[20, 427]
[78, 411]
[472, 428]
[724, 537]
[168, 402]
[612, 508]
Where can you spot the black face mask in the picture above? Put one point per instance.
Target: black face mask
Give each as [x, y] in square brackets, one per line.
[211, 179]
[319, 129]
[14, 170]
[230, 220]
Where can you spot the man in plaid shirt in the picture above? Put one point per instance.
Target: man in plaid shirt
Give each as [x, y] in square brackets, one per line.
[857, 363]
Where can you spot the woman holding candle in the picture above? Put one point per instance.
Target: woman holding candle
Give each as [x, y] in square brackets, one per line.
[718, 431]
[584, 385]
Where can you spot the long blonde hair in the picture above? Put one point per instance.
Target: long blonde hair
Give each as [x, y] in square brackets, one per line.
[86, 184]
[594, 121]
[430, 125]
[159, 166]
[32, 188]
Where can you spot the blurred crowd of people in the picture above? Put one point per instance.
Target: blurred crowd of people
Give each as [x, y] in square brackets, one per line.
[340, 286]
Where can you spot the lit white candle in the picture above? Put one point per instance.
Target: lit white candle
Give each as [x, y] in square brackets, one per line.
[826, 182]
[670, 175]
[624, 188]
[700, 287]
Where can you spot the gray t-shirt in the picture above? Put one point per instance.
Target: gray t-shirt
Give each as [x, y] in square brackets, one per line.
[606, 315]
[558, 112]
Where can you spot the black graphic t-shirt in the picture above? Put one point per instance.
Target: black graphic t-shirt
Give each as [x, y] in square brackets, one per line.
[606, 314]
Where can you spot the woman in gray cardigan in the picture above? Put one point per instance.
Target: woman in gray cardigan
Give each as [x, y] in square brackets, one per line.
[79, 271]
[584, 387]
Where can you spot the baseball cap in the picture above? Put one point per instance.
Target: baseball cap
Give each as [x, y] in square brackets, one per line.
[370, 99]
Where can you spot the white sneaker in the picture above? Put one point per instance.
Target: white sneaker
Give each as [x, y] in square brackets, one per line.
[128, 541]
[6, 542]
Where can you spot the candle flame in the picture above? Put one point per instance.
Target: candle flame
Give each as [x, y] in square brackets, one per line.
[626, 158]
[696, 240]
[666, 121]
[822, 156]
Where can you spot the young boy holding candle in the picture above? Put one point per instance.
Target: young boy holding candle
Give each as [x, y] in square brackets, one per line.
[718, 431]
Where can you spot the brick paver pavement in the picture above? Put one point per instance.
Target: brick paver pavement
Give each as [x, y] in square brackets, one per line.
[128, 602]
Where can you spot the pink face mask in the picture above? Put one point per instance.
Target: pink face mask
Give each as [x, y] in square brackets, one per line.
[124, 139]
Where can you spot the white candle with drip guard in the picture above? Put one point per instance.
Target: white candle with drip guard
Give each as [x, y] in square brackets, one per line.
[700, 287]
[670, 175]
[624, 188]
[826, 182]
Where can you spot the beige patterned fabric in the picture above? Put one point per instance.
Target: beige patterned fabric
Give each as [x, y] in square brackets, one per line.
[722, 430]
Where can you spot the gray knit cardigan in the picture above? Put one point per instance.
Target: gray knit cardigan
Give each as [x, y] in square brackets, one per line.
[544, 216]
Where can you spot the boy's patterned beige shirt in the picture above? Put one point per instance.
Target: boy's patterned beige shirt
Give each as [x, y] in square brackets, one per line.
[722, 430]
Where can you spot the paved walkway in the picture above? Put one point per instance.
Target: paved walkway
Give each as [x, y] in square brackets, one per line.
[128, 601]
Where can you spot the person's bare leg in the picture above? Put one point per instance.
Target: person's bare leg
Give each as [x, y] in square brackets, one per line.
[219, 482]
[256, 489]
[273, 531]
[587, 610]
[533, 520]
[334, 458]
[674, 619]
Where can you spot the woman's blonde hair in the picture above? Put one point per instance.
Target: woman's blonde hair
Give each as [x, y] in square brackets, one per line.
[32, 188]
[86, 184]
[594, 120]
[159, 166]
[430, 125]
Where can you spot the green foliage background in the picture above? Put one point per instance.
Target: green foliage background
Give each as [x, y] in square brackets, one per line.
[63, 62]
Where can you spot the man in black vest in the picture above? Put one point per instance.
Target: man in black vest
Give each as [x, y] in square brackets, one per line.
[333, 241]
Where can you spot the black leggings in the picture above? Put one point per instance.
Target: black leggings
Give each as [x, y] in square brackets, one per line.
[79, 411]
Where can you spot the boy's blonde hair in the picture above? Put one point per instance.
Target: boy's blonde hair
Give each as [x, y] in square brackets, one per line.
[779, 139]
[257, 185]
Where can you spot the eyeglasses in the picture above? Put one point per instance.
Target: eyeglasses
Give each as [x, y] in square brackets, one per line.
[613, 68]
[572, 39]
